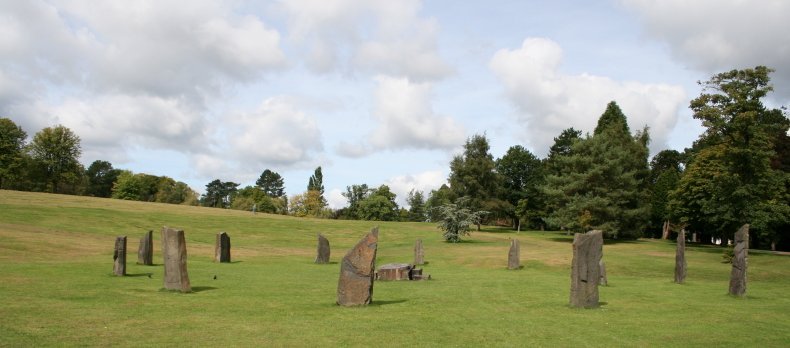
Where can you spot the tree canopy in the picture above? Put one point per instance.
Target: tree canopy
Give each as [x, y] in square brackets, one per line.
[57, 150]
[271, 183]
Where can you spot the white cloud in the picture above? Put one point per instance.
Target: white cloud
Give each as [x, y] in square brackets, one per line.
[549, 101]
[276, 134]
[720, 35]
[335, 199]
[425, 182]
[379, 36]
[407, 120]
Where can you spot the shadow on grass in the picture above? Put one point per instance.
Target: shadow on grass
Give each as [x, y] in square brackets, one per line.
[569, 240]
[471, 241]
[139, 275]
[151, 265]
[384, 303]
[233, 262]
[203, 288]
[328, 263]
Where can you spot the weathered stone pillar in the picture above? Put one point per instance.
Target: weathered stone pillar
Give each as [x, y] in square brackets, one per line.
[357, 272]
[680, 258]
[174, 254]
[419, 253]
[222, 248]
[145, 253]
[119, 256]
[739, 262]
[585, 268]
[603, 280]
[514, 255]
[322, 250]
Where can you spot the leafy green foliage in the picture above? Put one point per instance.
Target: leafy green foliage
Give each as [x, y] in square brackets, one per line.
[355, 194]
[522, 175]
[255, 197]
[218, 194]
[439, 197]
[602, 184]
[379, 205]
[455, 220]
[612, 117]
[101, 177]
[12, 142]
[316, 183]
[563, 145]
[473, 175]
[665, 172]
[57, 150]
[730, 180]
[271, 183]
[416, 201]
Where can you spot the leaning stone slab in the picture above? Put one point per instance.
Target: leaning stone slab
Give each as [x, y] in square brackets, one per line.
[322, 250]
[119, 256]
[739, 262]
[419, 253]
[680, 258]
[145, 253]
[514, 255]
[174, 254]
[357, 272]
[585, 269]
[222, 248]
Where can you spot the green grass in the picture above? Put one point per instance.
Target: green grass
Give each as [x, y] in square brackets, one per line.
[57, 289]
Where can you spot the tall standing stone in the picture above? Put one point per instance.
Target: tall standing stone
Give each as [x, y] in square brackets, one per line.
[145, 253]
[222, 248]
[739, 262]
[174, 254]
[585, 268]
[419, 253]
[603, 280]
[357, 272]
[514, 255]
[322, 250]
[119, 256]
[680, 258]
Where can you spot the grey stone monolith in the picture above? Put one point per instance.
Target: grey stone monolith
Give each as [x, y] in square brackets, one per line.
[174, 255]
[119, 256]
[680, 258]
[585, 268]
[145, 252]
[322, 250]
[222, 248]
[514, 255]
[739, 262]
[357, 272]
[419, 253]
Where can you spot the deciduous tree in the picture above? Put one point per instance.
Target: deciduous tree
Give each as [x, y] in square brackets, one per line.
[57, 150]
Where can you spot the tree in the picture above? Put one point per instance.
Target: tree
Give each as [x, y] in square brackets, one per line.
[730, 179]
[562, 146]
[126, 186]
[522, 175]
[439, 197]
[602, 184]
[101, 177]
[665, 171]
[472, 175]
[455, 220]
[416, 201]
[56, 150]
[308, 204]
[219, 194]
[271, 183]
[316, 183]
[612, 117]
[12, 143]
[355, 194]
[379, 205]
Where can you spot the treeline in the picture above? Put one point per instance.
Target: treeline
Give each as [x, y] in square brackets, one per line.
[50, 163]
[736, 172]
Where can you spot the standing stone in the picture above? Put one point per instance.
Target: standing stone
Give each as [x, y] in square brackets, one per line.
[174, 254]
[222, 248]
[514, 255]
[680, 258]
[119, 256]
[419, 253]
[357, 272]
[322, 252]
[145, 253]
[585, 268]
[603, 280]
[739, 262]
[394, 271]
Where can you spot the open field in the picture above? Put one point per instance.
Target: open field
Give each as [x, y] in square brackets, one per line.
[57, 289]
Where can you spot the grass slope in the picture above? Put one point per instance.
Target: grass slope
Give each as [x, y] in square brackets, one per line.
[57, 289]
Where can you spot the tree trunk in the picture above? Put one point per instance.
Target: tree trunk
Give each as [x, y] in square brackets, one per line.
[773, 246]
[518, 230]
[478, 227]
[665, 230]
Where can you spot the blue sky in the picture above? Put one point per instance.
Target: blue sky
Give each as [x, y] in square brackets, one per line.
[375, 92]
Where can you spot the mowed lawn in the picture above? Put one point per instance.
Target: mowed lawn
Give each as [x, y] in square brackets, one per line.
[57, 289]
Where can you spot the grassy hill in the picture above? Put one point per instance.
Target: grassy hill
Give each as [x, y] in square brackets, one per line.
[57, 289]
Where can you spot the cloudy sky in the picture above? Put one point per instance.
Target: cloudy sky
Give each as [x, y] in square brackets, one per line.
[375, 92]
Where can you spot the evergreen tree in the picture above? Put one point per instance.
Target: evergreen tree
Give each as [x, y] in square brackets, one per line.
[438, 198]
[665, 171]
[602, 184]
[416, 201]
[271, 183]
[219, 194]
[101, 177]
[522, 175]
[612, 117]
[316, 183]
[562, 146]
